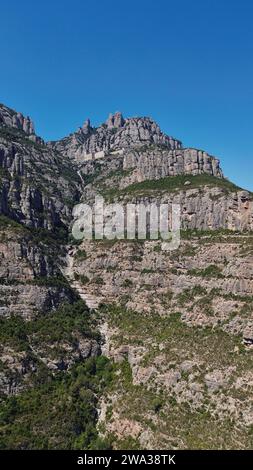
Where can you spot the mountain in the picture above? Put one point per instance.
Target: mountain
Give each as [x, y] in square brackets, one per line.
[118, 343]
[114, 134]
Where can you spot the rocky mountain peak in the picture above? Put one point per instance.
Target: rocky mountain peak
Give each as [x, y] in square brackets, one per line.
[114, 134]
[86, 124]
[86, 128]
[11, 118]
[115, 120]
[16, 120]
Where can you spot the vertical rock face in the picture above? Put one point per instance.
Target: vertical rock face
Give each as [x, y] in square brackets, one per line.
[30, 278]
[38, 187]
[156, 163]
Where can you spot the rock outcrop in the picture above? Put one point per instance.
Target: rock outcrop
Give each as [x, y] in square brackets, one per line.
[116, 133]
[204, 208]
[10, 118]
[145, 278]
[115, 121]
[38, 186]
[187, 177]
[150, 164]
[31, 283]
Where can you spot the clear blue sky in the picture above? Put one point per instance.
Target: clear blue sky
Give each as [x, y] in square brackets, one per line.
[186, 63]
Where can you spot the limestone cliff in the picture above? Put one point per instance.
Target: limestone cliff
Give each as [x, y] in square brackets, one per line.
[38, 187]
[11, 118]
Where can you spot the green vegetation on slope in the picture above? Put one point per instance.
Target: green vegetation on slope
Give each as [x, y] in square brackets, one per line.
[6, 222]
[38, 235]
[48, 330]
[173, 184]
[58, 413]
[57, 410]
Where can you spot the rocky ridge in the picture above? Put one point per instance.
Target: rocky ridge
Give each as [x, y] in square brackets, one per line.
[10, 118]
[114, 134]
[38, 187]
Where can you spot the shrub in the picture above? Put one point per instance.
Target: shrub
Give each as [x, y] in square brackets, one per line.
[81, 255]
[81, 278]
[98, 280]
[156, 404]
[127, 283]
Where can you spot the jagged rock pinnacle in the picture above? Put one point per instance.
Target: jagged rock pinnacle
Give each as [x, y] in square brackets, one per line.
[10, 118]
[86, 124]
[115, 120]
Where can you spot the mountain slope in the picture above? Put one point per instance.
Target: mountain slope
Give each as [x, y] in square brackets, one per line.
[119, 343]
